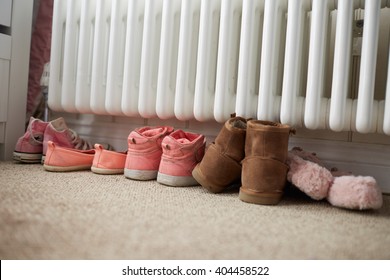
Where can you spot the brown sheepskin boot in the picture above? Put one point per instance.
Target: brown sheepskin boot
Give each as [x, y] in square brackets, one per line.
[264, 169]
[221, 164]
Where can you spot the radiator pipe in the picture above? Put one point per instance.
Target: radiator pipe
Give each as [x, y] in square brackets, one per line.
[186, 66]
[167, 65]
[227, 60]
[249, 57]
[206, 60]
[292, 103]
[132, 59]
[70, 57]
[386, 118]
[365, 121]
[340, 107]
[268, 107]
[116, 53]
[99, 59]
[149, 59]
[316, 103]
[55, 82]
[84, 62]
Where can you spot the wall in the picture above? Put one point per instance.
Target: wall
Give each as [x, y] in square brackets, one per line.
[13, 97]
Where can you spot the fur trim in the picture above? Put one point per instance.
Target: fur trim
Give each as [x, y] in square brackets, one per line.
[355, 192]
[309, 177]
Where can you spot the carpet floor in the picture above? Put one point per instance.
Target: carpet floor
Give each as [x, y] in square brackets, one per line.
[82, 215]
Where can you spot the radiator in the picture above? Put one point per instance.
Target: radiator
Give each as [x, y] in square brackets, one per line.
[315, 64]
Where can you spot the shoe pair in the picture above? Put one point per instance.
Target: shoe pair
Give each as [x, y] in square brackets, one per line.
[252, 151]
[153, 153]
[164, 154]
[32, 146]
[99, 160]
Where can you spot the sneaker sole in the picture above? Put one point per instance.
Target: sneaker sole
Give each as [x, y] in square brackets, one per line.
[141, 175]
[27, 158]
[66, 168]
[200, 178]
[259, 198]
[176, 181]
[105, 171]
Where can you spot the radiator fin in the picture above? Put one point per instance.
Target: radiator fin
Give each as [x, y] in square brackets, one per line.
[297, 62]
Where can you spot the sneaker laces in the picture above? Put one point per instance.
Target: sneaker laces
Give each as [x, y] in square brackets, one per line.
[78, 142]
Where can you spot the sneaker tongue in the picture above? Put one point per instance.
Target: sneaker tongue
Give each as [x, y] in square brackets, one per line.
[59, 124]
[184, 137]
[152, 132]
[183, 140]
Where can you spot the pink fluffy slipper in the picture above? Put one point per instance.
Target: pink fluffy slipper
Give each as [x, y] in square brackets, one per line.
[311, 178]
[355, 192]
[340, 188]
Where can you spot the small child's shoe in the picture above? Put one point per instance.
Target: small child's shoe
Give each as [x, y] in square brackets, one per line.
[309, 175]
[144, 152]
[60, 159]
[60, 134]
[108, 162]
[355, 192]
[29, 147]
[221, 164]
[182, 151]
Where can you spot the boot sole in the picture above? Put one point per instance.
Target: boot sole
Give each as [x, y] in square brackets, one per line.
[200, 178]
[259, 198]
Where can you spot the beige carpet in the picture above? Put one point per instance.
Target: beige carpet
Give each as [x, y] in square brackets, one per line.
[81, 215]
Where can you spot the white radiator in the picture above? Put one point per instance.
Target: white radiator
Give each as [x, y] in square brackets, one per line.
[304, 63]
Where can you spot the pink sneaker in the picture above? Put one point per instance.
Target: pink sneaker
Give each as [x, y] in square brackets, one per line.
[29, 147]
[182, 151]
[58, 132]
[61, 159]
[144, 152]
[108, 162]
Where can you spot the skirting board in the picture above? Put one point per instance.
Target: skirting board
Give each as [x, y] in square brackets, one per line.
[367, 159]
